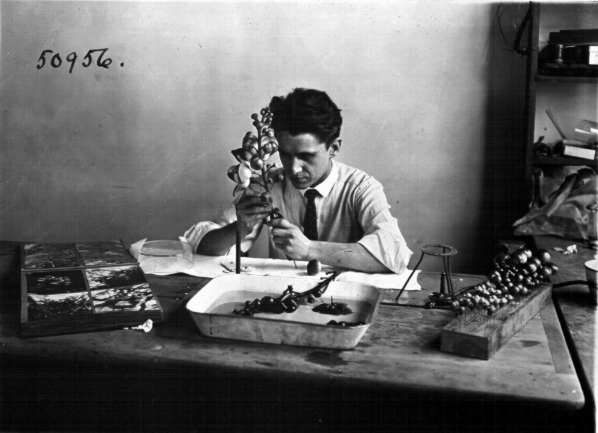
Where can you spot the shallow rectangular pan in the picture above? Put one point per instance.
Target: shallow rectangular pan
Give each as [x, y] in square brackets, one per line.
[212, 310]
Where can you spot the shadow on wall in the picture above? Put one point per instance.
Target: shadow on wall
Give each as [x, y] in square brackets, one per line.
[504, 194]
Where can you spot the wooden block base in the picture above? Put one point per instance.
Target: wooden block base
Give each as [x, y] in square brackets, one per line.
[477, 335]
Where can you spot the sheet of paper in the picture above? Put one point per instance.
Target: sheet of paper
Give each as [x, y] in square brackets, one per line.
[383, 281]
[215, 266]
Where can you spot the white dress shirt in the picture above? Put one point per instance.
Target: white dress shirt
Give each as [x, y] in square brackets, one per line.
[351, 207]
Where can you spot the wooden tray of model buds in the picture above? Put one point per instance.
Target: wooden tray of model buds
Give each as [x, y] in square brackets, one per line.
[490, 313]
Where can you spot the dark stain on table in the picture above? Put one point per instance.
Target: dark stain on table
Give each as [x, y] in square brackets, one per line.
[327, 359]
[529, 343]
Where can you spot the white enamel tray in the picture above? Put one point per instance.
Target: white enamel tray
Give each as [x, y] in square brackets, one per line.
[212, 310]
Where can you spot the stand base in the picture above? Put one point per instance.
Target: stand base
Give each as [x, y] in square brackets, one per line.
[440, 300]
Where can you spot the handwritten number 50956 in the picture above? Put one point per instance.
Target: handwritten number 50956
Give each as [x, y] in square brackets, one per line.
[56, 59]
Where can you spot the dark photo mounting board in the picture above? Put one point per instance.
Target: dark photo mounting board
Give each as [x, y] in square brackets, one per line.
[77, 287]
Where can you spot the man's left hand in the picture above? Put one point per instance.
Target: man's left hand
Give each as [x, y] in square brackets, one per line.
[290, 239]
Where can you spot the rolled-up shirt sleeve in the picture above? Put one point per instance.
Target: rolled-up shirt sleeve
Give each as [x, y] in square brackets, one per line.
[382, 237]
[197, 231]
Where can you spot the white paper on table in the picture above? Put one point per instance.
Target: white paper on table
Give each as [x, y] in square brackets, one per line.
[215, 266]
[383, 281]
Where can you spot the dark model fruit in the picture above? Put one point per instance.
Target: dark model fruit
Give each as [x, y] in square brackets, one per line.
[344, 324]
[333, 308]
[253, 170]
[513, 276]
[287, 302]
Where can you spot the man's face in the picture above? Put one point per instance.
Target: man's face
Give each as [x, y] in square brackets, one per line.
[305, 159]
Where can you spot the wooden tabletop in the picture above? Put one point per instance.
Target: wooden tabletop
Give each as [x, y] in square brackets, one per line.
[573, 302]
[400, 351]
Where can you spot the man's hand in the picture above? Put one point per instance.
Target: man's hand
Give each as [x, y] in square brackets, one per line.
[290, 239]
[251, 210]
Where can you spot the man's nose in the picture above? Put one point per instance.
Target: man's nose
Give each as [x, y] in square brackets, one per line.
[296, 166]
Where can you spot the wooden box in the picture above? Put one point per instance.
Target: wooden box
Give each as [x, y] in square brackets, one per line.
[77, 287]
[477, 335]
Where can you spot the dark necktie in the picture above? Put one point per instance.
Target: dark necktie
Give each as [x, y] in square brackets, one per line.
[310, 222]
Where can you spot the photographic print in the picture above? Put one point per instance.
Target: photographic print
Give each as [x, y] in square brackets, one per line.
[453, 144]
[58, 306]
[117, 276]
[104, 253]
[138, 297]
[47, 256]
[52, 282]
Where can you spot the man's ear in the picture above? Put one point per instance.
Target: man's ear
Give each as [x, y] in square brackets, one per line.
[335, 146]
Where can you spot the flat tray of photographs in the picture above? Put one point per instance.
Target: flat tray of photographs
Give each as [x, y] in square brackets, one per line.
[78, 287]
[74, 255]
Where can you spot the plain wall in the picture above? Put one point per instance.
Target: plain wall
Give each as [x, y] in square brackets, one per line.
[430, 93]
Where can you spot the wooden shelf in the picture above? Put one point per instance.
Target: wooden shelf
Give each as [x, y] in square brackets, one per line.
[566, 78]
[563, 160]
[567, 89]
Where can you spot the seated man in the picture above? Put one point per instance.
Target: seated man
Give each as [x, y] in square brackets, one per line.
[350, 225]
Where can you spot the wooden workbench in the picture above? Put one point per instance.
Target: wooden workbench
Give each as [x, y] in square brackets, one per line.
[396, 375]
[577, 313]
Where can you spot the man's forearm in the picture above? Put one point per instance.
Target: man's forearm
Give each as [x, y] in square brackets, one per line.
[217, 242]
[350, 256]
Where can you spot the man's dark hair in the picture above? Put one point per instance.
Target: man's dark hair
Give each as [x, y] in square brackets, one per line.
[307, 111]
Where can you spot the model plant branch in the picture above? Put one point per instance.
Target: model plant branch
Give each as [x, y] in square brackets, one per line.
[254, 174]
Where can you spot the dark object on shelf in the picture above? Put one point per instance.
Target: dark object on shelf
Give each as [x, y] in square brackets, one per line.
[575, 37]
[570, 53]
[571, 47]
[564, 55]
[542, 149]
[79, 287]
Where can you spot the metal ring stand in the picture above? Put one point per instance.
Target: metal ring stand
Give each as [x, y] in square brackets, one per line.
[446, 278]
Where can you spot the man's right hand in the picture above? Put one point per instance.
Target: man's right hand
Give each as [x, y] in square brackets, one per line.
[251, 210]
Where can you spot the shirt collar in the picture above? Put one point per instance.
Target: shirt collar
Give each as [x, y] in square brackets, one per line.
[326, 185]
